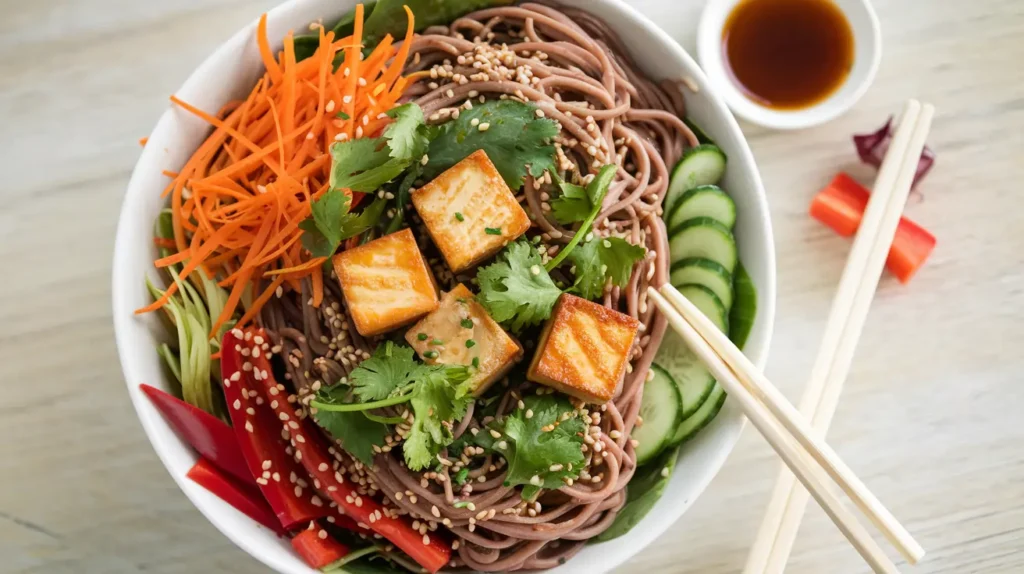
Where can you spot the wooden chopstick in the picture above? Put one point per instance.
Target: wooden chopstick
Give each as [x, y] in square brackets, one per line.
[776, 437]
[849, 311]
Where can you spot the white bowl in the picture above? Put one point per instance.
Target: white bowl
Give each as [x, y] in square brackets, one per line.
[867, 38]
[229, 73]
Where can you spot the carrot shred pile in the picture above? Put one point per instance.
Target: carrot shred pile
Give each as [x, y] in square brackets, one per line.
[237, 203]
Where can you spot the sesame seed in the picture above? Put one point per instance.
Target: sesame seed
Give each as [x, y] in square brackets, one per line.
[435, 511]
[426, 540]
[248, 426]
[484, 126]
[535, 480]
[495, 433]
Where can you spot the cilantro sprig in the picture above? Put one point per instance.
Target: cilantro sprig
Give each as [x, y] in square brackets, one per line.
[542, 449]
[512, 292]
[515, 139]
[436, 395]
[595, 192]
[363, 165]
[598, 260]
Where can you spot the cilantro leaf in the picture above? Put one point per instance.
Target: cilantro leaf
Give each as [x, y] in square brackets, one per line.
[388, 371]
[331, 223]
[599, 259]
[438, 399]
[532, 448]
[515, 139]
[357, 434]
[573, 205]
[596, 190]
[512, 293]
[407, 134]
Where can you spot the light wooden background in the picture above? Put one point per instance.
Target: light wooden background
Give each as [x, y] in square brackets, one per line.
[933, 416]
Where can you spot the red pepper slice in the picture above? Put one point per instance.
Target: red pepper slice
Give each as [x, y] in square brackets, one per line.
[317, 548]
[212, 438]
[841, 206]
[244, 497]
[259, 435]
[429, 550]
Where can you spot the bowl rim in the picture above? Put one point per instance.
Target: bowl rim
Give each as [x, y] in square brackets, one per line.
[124, 276]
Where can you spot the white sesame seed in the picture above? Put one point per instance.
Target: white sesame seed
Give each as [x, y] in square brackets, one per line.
[484, 126]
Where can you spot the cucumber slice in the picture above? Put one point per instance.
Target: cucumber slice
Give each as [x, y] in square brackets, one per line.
[661, 410]
[701, 165]
[692, 377]
[704, 272]
[700, 419]
[703, 237]
[708, 303]
[744, 310]
[703, 201]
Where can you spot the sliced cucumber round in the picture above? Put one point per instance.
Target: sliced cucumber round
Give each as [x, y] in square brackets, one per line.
[700, 419]
[701, 165]
[708, 303]
[688, 371]
[703, 237]
[703, 201]
[704, 272]
[661, 410]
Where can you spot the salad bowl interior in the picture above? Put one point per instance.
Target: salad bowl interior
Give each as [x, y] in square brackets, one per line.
[228, 74]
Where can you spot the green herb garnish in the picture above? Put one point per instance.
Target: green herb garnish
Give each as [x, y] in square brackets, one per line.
[422, 336]
[459, 216]
[492, 230]
[511, 293]
[470, 343]
[466, 323]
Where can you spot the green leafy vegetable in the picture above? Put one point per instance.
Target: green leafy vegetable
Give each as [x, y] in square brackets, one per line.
[596, 190]
[600, 259]
[389, 15]
[512, 293]
[331, 222]
[407, 136]
[436, 394]
[573, 205]
[643, 491]
[435, 403]
[461, 477]
[541, 450]
[357, 433]
[364, 164]
[515, 139]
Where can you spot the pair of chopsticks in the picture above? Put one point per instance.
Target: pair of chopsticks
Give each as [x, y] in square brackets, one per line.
[857, 286]
[785, 429]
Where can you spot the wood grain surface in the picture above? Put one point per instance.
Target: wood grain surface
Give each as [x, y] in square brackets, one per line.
[931, 418]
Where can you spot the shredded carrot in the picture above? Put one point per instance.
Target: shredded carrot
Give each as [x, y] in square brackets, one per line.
[237, 203]
[143, 141]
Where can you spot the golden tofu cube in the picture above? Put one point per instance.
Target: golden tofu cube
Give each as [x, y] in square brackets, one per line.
[386, 283]
[461, 332]
[584, 349]
[470, 212]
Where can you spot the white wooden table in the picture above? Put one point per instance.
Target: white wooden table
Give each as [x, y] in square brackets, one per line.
[932, 416]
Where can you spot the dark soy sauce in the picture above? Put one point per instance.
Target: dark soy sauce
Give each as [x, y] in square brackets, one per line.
[788, 54]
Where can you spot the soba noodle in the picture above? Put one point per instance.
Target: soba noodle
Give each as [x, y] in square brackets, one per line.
[575, 70]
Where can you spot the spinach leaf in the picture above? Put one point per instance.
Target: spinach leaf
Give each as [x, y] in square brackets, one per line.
[388, 17]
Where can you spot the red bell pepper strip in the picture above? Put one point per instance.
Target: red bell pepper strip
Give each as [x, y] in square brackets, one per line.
[246, 498]
[841, 206]
[428, 550]
[212, 438]
[317, 548]
[259, 436]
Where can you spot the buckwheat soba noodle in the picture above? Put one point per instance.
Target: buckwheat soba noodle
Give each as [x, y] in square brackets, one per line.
[310, 297]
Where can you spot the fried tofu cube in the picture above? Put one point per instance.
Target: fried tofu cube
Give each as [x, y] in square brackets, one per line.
[470, 212]
[386, 283]
[584, 349]
[461, 332]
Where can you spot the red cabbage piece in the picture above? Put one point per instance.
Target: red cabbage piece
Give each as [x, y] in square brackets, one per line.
[872, 147]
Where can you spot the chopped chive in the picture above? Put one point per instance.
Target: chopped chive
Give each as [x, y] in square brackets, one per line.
[461, 300]
[460, 503]
[430, 354]
[492, 230]
[467, 323]
[343, 116]
[470, 343]
[459, 216]
[436, 342]
[476, 362]
[422, 337]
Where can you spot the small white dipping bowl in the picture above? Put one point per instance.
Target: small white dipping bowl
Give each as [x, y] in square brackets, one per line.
[867, 38]
[230, 73]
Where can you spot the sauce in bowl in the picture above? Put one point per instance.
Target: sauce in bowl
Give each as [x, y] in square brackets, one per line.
[788, 54]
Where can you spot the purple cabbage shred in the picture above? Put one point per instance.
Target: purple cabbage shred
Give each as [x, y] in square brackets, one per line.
[872, 147]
